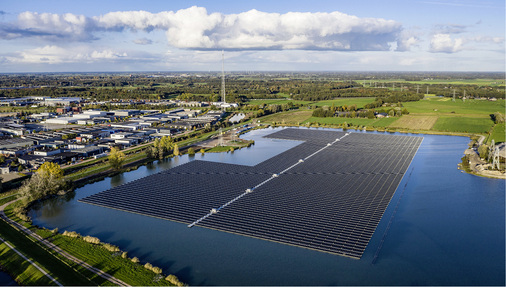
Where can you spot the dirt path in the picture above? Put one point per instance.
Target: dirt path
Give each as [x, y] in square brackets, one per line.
[57, 249]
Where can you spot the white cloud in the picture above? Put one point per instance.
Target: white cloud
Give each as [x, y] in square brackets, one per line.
[443, 43]
[194, 28]
[52, 54]
[67, 26]
[407, 40]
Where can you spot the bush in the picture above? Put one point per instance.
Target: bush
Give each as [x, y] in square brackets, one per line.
[498, 117]
[111, 248]
[174, 280]
[148, 266]
[135, 260]
[157, 270]
[91, 239]
[483, 151]
[54, 231]
[72, 234]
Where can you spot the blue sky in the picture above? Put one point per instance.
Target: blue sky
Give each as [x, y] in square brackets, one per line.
[317, 35]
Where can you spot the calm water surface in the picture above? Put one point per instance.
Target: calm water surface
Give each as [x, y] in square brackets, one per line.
[6, 280]
[446, 228]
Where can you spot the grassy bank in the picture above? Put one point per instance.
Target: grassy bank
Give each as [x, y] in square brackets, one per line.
[18, 268]
[104, 256]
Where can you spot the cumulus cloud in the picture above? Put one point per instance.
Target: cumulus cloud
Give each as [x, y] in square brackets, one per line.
[67, 26]
[443, 43]
[195, 28]
[407, 40]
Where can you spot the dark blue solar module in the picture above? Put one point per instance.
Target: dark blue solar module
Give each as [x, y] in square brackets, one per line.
[327, 194]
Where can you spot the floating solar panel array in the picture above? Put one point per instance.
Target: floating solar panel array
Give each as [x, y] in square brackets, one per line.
[327, 194]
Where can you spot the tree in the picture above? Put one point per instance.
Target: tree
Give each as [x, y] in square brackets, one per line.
[202, 151]
[483, 151]
[116, 158]
[176, 150]
[191, 151]
[50, 169]
[47, 180]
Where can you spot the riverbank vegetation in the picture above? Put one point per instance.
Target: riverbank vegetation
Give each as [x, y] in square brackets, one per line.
[105, 256]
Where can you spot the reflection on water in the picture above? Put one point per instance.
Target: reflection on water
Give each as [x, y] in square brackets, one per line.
[448, 230]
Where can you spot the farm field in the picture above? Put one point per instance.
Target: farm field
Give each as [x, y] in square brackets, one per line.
[289, 118]
[441, 106]
[415, 122]
[481, 82]
[276, 102]
[463, 124]
[430, 114]
[360, 102]
[384, 122]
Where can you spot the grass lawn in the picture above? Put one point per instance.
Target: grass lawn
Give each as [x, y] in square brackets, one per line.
[463, 124]
[498, 134]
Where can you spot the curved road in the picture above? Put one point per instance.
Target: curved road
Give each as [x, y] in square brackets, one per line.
[60, 251]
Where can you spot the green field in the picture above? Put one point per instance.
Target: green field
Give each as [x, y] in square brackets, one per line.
[276, 102]
[441, 106]
[498, 134]
[289, 118]
[360, 102]
[480, 82]
[430, 114]
[384, 122]
[463, 124]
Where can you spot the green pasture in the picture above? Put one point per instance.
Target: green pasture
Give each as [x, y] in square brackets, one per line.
[498, 134]
[360, 102]
[383, 122]
[479, 82]
[276, 102]
[440, 106]
[463, 124]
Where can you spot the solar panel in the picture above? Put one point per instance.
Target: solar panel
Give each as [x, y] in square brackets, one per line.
[327, 194]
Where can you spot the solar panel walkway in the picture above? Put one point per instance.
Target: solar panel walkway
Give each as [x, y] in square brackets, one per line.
[327, 194]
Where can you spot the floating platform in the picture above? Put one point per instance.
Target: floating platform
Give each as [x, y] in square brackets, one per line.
[327, 194]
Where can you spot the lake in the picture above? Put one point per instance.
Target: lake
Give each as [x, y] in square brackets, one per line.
[442, 227]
